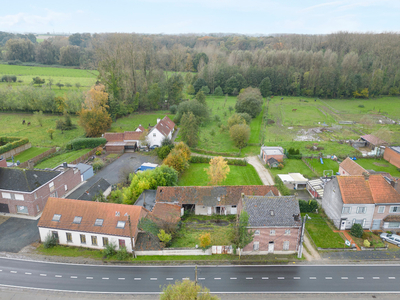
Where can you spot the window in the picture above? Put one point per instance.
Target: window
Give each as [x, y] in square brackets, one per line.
[69, 237]
[54, 234]
[121, 224]
[121, 243]
[346, 210]
[35, 195]
[37, 208]
[6, 195]
[287, 231]
[51, 186]
[257, 232]
[286, 245]
[22, 209]
[361, 209]
[381, 209]
[272, 232]
[256, 246]
[56, 218]
[105, 241]
[94, 240]
[77, 220]
[83, 239]
[19, 197]
[394, 225]
[394, 209]
[154, 134]
[66, 187]
[98, 222]
[55, 194]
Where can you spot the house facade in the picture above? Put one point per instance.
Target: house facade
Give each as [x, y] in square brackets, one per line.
[163, 129]
[90, 224]
[392, 155]
[276, 223]
[25, 192]
[209, 200]
[271, 152]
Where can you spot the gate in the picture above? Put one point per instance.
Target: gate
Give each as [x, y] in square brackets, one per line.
[4, 208]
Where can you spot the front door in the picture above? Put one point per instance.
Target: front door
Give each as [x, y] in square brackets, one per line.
[376, 224]
[4, 208]
[343, 225]
[271, 247]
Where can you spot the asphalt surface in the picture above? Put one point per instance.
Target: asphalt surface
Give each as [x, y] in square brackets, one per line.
[16, 233]
[362, 255]
[219, 279]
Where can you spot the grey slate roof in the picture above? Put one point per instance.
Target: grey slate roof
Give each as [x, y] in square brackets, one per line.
[99, 186]
[284, 208]
[272, 161]
[83, 167]
[150, 197]
[24, 180]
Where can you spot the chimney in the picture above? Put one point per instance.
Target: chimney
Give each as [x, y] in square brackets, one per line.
[30, 164]
[242, 195]
[366, 175]
[65, 165]
[158, 120]
[393, 183]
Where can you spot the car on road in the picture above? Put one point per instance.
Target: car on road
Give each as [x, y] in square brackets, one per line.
[391, 238]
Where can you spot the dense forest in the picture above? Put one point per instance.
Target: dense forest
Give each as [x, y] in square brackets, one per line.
[132, 66]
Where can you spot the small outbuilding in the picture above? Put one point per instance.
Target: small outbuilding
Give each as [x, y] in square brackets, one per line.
[392, 155]
[294, 181]
[272, 162]
[271, 152]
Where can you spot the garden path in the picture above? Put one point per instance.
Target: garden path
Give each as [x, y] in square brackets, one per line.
[313, 254]
[263, 172]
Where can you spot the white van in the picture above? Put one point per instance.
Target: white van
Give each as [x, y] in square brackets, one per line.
[391, 238]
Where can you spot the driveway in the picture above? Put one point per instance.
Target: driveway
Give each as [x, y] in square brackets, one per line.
[264, 174]
[16, 233]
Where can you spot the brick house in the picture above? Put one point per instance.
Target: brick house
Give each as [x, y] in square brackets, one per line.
[90, 224]
[349, 167]
[25, 192]
[276, 223]
[271, 152]
[392, 155]
[208, 200]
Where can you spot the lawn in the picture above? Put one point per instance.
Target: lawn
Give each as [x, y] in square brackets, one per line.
[322, 234]
[59, 159]
[70, 251]
[328, 164]
[294, 166]
[131, 122]
[11, 125]
[374, 239]
[238, 175]
[379, 165]
[29, 154]
[188, 235]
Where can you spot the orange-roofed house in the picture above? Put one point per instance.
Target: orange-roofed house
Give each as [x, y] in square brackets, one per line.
[90, 224]
[356, 199]
[349, 167]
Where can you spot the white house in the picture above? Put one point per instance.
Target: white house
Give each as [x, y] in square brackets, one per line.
[163, 129]
[90, 224]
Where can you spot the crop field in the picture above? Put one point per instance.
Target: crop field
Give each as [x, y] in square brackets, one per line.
[11, 125]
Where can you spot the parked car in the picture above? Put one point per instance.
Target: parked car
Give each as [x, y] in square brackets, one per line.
[154, 147]
[391, 238]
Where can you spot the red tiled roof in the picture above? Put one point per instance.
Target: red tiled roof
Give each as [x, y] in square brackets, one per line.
[382, 191]
[373, 140]
[351, 167]
[355, 190]
[132, 135]
[167, 212]
[165, 126]
[114, 136]
[111, 213]
[210, 195]
[140, 127]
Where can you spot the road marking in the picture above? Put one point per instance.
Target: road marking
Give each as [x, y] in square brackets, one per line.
[392, 277]
[376, 278]
[169, 279]
[74, 277]
[105, 278]
[345, 277]
[186, 278]
[121, 278]
[153, 278]
[249, 278]
[44, 275]
[264, 278]
[137, 278]
[360, 278]
[217, 278]
[58, 276]
[328, 277]
[233, 278]
[201, 279]
[313, 278]
[13, 272]
[281, 277]
[89, 277]
[298, 277]
[27, 273]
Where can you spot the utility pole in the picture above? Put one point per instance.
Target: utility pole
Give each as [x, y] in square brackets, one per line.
[303, 227]
[195, 275]
[130, 235]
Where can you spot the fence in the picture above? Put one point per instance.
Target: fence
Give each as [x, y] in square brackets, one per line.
[84, 157]
[37, 158]
[15, 151]
[177, 251]
[308, 165]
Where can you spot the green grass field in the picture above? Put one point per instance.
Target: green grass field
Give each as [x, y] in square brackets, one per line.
[238, 175]
[379, 165]
[59, 159]
[29, 154]
[131, 122]
[294, 166]
[11, 125]
[328, 164]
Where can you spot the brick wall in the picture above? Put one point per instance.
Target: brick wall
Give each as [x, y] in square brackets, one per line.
[38, 157]
[279, 238]
[15, 151]
[3, 163]
[84, 157]
[115, 149]
[392, 156]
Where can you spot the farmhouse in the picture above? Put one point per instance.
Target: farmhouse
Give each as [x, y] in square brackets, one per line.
[208, 200]
[349, 167]
[276, 223]
[90, 224]
[392, 155]
[272, 152]
[25, 192]
[163, 129]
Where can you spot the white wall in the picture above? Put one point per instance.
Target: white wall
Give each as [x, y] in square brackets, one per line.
[208, 210]
[201, 210]
[354, 215]
[155, 140]
[175, 252]
[76, 241]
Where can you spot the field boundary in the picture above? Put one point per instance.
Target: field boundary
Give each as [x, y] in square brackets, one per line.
[84, 157]
[37, 158]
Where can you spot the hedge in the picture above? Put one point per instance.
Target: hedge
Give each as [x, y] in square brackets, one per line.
[11, 143]
[213, 152]
[82, 143]
[281, 186]
[206, 160]
[308, 206]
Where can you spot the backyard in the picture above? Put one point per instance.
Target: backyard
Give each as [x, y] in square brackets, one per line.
[28, 154]
[328, 165]
[379, 165]
[238, 175]
[68, 157]
[294, 166]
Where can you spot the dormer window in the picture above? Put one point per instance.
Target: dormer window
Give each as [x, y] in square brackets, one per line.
[56, 218]
[98, 222]
[121, 224]
[117, 213]
[77, 220]
[272, 213]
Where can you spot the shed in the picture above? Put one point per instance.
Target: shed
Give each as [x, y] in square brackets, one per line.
[272, 162]
[86, 171]
[297, 180]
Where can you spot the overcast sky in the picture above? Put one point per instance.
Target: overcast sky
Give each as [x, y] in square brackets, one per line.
[201, 16]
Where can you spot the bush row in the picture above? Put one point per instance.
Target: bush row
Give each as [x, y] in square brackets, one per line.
[308, 206]
[206, 160]
[10, 143]
[213, 152]
[281, 186]
[82, 143]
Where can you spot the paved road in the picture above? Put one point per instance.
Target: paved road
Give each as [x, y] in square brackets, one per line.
[16, 233]
[219, 279]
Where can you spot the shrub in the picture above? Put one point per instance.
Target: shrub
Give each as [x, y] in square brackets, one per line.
[206, 160]
[122, 254]
[308, 206]
[367, 243]
[173, 109]
[10, 143]
[218, 91]
[98, 163]
[217, 118]
[281, 186]
[82, 143]
[356, 230]
[361, 106]
[365, 236]
[99, 151]
[50, 241]
[163, 152]
[109, 250]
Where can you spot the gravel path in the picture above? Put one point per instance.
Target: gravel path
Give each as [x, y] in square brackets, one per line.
[263, 172]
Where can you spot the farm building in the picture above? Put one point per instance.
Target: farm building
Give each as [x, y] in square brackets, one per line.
[272, 152]
[375, 145]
